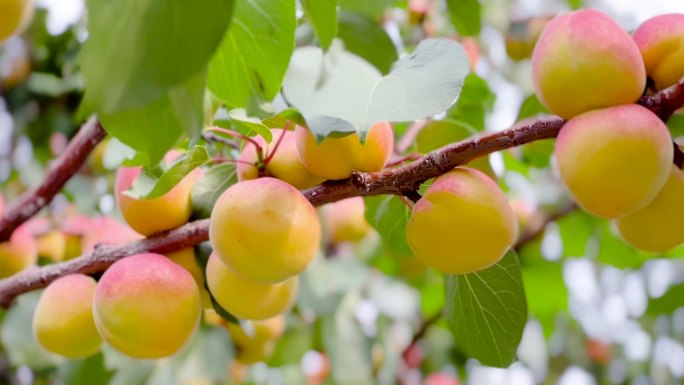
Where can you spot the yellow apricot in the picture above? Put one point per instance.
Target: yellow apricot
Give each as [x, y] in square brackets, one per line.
[462, 224]
[18, 253]
[247, 299]
[264, 230]
[14, 17]
[284, 165]
[615, 160]
[52, 245]
[656, 226]
[346, 221]
[186, 258]
[584, 61]
[269, 329]
[63, 321]
[661, 42]
[255, 353]
[336, 158]
[149, 216]
[146, 306]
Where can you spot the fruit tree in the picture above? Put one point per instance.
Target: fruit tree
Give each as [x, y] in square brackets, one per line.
[342, 192]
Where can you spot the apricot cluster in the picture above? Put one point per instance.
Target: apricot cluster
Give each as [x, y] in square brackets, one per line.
[615, 157]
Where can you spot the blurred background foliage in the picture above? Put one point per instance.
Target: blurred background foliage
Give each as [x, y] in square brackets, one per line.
[600, 312]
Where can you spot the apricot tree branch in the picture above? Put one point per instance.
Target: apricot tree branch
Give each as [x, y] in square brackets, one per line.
[398, 181]
[56, 176]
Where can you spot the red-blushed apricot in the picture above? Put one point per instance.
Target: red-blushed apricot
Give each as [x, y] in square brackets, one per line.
[615, 160]
[63, 321]
[346, 221]
[106, 231]
[264, 230]
[284, 165]
[467, 208]
[247, 299]
[186, 258]
[584, 61]
[20, 252]
[655, 227]
[149, 216]
[146, 306]
[661, 42]
[336, 158]
[15, 15]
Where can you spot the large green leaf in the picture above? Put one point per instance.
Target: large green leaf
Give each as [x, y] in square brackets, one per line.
[209, 188]
[138, 49]
[487, 311]
[372, 8]
[668, 302]
[547, 294]
[475, 100]
[254, 54]
[155, 127]
[389, 215]
[323, 16]
[465, 16]
[340, 87]
[149, 186]
[439, 133]
[364, 37]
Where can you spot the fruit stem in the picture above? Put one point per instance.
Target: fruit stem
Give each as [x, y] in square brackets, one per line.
[221, 159]
[211, 137]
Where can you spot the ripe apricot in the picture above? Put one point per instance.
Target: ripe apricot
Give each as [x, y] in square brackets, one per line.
[63, 321]
[14, 17]
[337, 157]
[614, 160]
[584, 61]
[467, 208]
[661, 42]
[265, 230]
[346, 221]
[20, 252]
[146, 306]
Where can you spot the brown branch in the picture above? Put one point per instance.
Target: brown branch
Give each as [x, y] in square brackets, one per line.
[399, 181]
[56, 176]
[101, 258]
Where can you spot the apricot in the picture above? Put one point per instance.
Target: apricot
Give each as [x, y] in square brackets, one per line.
[336, 158]
[284, 165]
[14, 17]
[146, 306]
[467, 208]
[346, 221]
[63, 321]
[255, 353]
[614, 160]
[106, 231]
[247, 299]
[656, 226]
[584, 61]
[149, 216]
[20, 252]
[266, 330]
[186, 258]
[52, 245]
[661, 42]
[265, 230]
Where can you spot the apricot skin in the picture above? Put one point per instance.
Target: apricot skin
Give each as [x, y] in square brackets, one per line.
[345, 220]
[20, 252]
[63, 321]
[264, 230]
[615, 160]
[656, 227]
[336, 158]
[14, 17]
[284, 165]
[661, 42]
[149, 216]
[462, 224]
[146, 306]
[246, 299]
[584, 61]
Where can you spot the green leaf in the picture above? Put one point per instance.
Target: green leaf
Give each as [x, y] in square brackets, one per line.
[487, 311]
[372, 9]
[615, 251]
[576, 229]
[364, 37]
[465, 16]
[287, 115]
[668, 302]
[240, 118]
[475, 100]
[676, 125]
[389, 215]
[439, 133]
[323, 15]
[89, 371]
[547, 294]
[156, 127]
[139, 49]
[209, 188]
[531, 107]
[254, 54]
[422, 84]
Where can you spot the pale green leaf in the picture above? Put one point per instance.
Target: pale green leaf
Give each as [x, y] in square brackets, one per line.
[250, 124]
